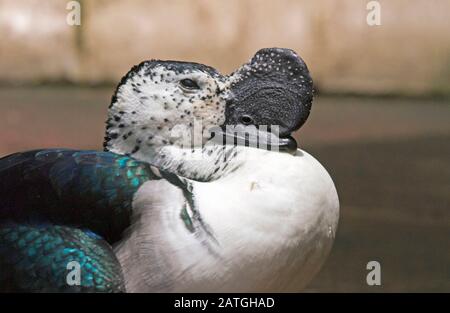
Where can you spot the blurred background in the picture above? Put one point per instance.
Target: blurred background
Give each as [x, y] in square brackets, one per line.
[380, 121]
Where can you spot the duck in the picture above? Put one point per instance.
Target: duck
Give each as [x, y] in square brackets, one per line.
[200, 188]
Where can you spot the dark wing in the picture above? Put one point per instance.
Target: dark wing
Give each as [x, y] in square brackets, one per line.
[87, 189]
[58, 206]
[54, 258]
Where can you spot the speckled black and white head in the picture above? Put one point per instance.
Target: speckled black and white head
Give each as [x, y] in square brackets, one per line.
[156, 96]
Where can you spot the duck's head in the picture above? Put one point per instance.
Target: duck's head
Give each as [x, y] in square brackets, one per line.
[171, 107]
[155, 98]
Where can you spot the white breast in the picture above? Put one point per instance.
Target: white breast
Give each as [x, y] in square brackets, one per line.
[274, 219]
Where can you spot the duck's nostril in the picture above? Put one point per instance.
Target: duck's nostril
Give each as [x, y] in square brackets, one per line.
[246, 120]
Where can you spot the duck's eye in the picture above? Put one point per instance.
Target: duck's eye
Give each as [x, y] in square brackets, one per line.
[189, 84]
[246, 120]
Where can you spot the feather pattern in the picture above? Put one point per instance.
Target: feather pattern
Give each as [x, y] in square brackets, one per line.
[36, 258]
[88, 189]
[60, 205]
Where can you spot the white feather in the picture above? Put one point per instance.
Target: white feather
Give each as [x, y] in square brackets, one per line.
[274, 219]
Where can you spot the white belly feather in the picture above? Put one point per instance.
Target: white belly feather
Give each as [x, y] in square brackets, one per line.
[274, 219]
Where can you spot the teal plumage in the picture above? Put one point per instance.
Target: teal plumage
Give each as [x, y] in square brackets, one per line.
[60, 205]
[70, 187]
[35, 258]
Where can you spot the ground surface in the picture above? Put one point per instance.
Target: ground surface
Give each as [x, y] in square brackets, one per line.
[389, 158]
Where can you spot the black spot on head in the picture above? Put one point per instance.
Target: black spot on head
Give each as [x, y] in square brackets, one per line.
[109, 125]
[113, 100]
[135, 149]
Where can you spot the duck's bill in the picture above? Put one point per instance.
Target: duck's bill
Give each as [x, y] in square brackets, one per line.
[251, 136]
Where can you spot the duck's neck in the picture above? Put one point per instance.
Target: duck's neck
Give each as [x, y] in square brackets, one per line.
[206, 163]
